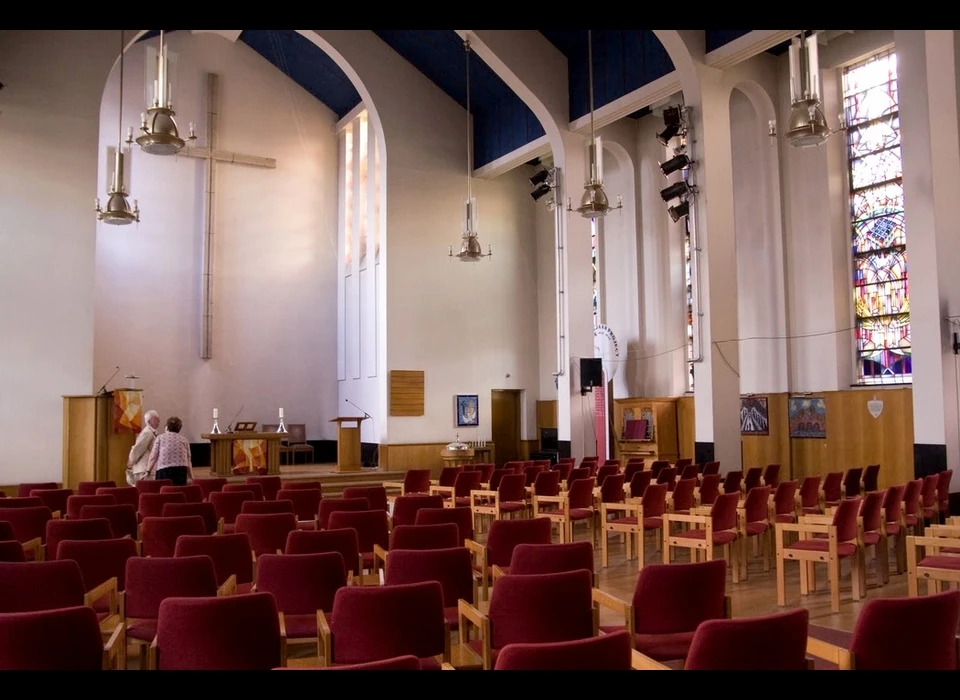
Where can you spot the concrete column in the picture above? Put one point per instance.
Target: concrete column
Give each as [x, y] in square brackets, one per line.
[930, 150]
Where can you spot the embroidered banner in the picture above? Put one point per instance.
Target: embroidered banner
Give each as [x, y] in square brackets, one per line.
[127, 411]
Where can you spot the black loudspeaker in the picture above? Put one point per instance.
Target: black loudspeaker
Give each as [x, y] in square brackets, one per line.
[591, 373]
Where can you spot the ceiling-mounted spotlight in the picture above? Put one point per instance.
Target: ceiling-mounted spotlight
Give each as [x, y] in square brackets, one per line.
[679, 211]
[679, 162]
[542, 191]
[540, 177]
[673, 121]
[676, 190]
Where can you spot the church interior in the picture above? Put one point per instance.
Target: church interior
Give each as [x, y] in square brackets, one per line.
[492, 350]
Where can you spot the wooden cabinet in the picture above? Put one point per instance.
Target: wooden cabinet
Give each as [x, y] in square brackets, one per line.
[658, 436]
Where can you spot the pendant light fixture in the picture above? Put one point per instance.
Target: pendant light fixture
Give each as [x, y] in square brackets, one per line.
[161, 137]
[118, 211]
[594, 202]
[470, 250]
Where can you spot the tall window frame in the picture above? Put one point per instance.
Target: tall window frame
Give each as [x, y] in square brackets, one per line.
[881, 300]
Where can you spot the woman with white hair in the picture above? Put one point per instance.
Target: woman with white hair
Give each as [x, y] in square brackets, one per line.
[139, 458]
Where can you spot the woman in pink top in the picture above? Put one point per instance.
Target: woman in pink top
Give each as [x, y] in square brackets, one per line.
[170, 455]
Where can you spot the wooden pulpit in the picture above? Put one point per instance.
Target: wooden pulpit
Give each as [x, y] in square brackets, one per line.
[98, 432]
[348, 443]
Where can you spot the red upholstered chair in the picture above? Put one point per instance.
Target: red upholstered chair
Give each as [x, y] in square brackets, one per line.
[441, 536]
[547, 483]
[732, 482]
[29, 527]
[564, 468]
[103, 568]
[943, 495]
[269, 484]
[60, 530]
[267, 506]
[151, 580]
[577, 505]
[669, 602]
[842, 541]
[54, 499]
[530, 559]
[639, 516]
[756, 520]
[75, 503]
[634, 466]
[461, 516]
[769, 643]
[911, 505]
[690, 471]
[414, 481]
[657, 465]
[785, 503]
[228, 506]
[711, 468]
[771, 475]
[255, 489]
[232, 633]
[46, 585]
[535, 608]
[609, 652]
[121, 494]
[639, 483]
[448, 476]
[684, 496]
[709, 489]
[89, 488]
[191, 493]
[873, 533]
[373, 529]
[343, 541]
[211, 523]
[122, 517]
[832, 491]
[26, 489]
[291, 485]
[151, 504]
[530, 473]
[881, 640]
[22, 502]
[575, 475]
[376, 496]
[871, 478]
[752, 480]
[208, 486]
[851, 482]
[405, 507]
[399, 663]
[10, 549]
[301, 584]
[514, 466]
[231, 554]
[306, 504]
[267, 531]
[152, 485]
[721, 528]
[329, 506]
[509, 497]
[375, 623]
[67, 639]
[893, 512]
[158, 536]
[486, 471]
[605, 471]
[459, 493]
[504, 536]
[451, 567]
[810, 496]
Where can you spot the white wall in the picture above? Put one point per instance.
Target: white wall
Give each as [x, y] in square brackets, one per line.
[546, 295]
[274, 318]
[48, 180]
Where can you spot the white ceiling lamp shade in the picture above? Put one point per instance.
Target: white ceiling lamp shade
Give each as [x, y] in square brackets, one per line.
[161, 137]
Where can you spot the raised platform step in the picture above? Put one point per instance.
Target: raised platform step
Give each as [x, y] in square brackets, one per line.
[331, 481]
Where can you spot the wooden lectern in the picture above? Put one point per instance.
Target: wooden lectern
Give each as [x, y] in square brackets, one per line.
[95, 442]
[348, 443]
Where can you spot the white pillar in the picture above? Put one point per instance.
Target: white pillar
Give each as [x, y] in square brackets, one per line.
[930, 148]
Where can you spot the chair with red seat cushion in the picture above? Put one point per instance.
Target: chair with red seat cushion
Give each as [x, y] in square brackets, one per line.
[22, 502]
[911, 505]
[757, 523]
[871, 478]
[152, 485]
[669, 602]
[29, 527]
[208, 486]
[943, 494]
[892, 508]
[121, 494]
[684, 496]
[691, 471]
[399, 663]
[191, 493]
[771, 475]
[657, 466]
[769, 643]
[373, 529]
[710, 468]
[608, 652]
[45, 585]
[150, 580]
[374, 623]
[832, 491]
[880, 641]
[231, 555]
[344, 541]
[151, 505]
[535, 608]
[269, 484]
[376, 496]
[159, 535]
[605, 471]
[851, 482]
[753, 479]
[785, 502]
[466, 482]
[577, 506]
[634, 466]
[302, 584]
[405, 507]
[10, 549]
[502, 539]
[720, 529]
[122, 517]
[230, 633]
[26, 488]
[99, 562]
[66, 639]
[89, 488]
[461, 516]
[54, 499]
[530, 473]
[451, 567]
[291, 485]
[211, 523]
[841, 542]
[633, 519]
[448, 475]
[531, 559]
[874, 535]
[267, 506]
[229, 505]
[564, 468]
[639, 483]
[60, 530]
[709, 489]
[732, 482]
[306, 504]
[415, 481]
[810, 496]
[267, 531]
[76, 503]
[547, 483]
[254, 488]
[328, 506]
[441, 536]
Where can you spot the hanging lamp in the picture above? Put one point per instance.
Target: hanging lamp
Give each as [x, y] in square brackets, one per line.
[594, 202]
[118, 211]
[161, 137]
[470, 250]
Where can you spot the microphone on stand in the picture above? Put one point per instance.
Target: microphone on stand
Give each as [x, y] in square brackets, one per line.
[103, 389]
[375, 462]
[365, 414]
[230, 427]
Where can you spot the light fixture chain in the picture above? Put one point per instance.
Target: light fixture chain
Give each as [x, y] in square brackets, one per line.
[120, 110]
[466, 46]
[590, 77]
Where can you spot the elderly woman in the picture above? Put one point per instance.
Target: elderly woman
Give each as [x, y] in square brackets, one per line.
[170, 456]
[139, 458]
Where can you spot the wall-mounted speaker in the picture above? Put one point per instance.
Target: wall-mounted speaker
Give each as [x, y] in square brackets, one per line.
[591, 373]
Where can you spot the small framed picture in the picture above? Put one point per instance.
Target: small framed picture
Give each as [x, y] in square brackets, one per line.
[468, 410]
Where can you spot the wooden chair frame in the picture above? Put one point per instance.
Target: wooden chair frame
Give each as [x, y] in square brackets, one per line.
[703, 548]
[481, 504]
[633, 533]
[936, 537]
[115, 650]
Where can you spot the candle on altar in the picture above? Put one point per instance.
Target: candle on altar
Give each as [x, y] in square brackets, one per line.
[216, 413]
[281, 413]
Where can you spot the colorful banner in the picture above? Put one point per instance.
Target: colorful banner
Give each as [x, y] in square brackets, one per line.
[249, 456]
[127, 411]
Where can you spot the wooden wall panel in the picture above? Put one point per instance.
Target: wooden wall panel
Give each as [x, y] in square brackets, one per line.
[686, 427]
[406, 392]
[761, 450]
[546, 415]
[425, 455]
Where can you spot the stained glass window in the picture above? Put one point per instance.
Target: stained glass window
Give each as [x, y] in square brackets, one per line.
[594, 258]
[871, 102]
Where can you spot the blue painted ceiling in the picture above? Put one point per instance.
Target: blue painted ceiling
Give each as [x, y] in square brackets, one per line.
[624, 60]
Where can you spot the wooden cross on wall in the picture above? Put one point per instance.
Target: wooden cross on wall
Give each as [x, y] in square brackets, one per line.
[212, 155]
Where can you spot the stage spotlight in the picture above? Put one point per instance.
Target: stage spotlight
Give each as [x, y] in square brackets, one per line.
[540, 177]
[679, 211]
[541, 191]
[673, 120]
[678, 162]
[675, 191]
